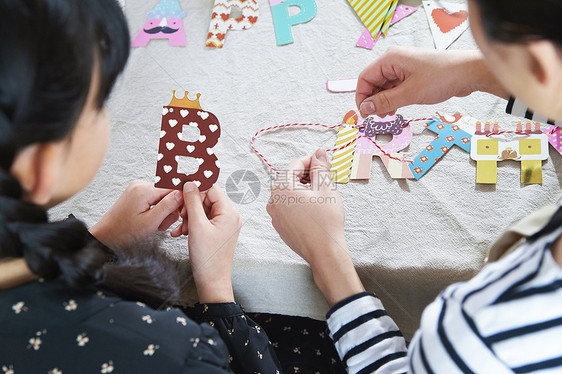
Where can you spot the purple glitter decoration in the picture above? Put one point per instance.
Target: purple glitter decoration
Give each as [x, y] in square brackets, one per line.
[373, 128]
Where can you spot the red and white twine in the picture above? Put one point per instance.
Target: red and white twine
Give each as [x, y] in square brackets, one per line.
[507, 132]
[271, 128]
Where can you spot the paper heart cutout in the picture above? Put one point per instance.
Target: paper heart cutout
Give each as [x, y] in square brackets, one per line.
[448, 21]
[203, 115]
[197, 183]
[173, 122]
[156, 179]
[200, 161]
[180, 136]
[164, 111]
[208, 173]
[210, 151]
[160, 155]
[213, 128]
[170, 146]
[184, 112]
[194, 124]
[176, 181]
[190, 148]
[202, 138]
[218, 164]
[167, 168]
[162, 134]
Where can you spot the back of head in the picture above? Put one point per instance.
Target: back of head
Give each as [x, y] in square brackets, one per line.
[516, 21]
[48, 49]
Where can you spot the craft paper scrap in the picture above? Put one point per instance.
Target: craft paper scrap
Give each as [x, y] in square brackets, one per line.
[167, 9]
[176, 115]
[530, 146]
[554, 134]
[447, 21]
[365, 148]
[283, 21]
[402, 11]
[163, 22]
[388, 18]
[531, 171]
[372, 13]
[342, 158]
[342, 85]
[222, 22]
[366, 40]
[449, 134]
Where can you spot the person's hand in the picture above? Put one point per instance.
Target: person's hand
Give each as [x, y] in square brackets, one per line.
[139, 212]
[212, 224]
[311, 222]
[405, 76]
[14, 272]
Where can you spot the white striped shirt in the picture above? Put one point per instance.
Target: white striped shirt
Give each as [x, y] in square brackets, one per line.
[517, 108]
[508, 318]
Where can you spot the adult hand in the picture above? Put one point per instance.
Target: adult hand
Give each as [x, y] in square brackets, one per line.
[213, 225]
[405, 76]
[138, 213]
[311, 222]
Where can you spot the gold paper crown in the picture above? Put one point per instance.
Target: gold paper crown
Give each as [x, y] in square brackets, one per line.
[185, 102]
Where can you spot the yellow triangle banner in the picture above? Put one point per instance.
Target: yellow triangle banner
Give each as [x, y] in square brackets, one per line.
[374, 13]
[389, 15]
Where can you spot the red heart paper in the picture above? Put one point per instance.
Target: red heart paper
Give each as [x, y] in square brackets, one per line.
[448, 21]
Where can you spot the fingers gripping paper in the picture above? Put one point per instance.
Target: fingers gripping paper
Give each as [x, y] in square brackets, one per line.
[222, 20]
[180, 113]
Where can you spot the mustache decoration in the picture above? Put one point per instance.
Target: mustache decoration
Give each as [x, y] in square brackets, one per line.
[162, 29]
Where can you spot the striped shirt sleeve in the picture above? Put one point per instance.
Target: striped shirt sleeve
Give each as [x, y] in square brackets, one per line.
[366, 338]
[517, 108]
[507, 319]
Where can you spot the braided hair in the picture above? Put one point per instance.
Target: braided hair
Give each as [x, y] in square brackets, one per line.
[47, 54]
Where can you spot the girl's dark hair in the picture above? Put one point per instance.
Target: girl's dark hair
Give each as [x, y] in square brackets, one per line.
[48, 50]
[516, 21]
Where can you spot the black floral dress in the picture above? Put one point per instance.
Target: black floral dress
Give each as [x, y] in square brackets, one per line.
[46, 327]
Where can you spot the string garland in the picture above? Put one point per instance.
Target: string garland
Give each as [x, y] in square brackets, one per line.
[507, 132]
[330, 127]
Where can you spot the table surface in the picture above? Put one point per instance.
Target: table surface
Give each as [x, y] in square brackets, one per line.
[409, 239]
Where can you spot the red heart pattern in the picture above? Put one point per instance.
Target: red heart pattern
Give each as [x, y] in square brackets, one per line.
[222, 22]
[448, 21]
[173, 146]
